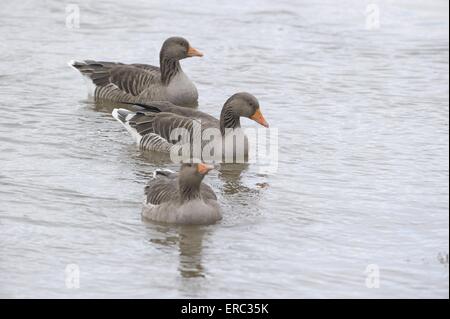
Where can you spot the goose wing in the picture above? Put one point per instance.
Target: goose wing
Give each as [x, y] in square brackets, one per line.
[131, 79]
[165, 125]
[158, 131]
[163, 187]
[168, 107]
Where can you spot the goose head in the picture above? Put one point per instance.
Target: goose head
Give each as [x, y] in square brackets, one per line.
[178, 48]
[244, 104]
[191, 176]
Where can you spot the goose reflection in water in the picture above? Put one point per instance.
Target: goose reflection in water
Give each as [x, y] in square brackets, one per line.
[231, 176]
[190, 246]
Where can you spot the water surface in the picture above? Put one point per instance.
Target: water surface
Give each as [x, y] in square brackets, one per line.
[363, 118]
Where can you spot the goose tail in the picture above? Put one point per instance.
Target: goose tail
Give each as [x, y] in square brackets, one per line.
[86, 72]
[155, 108]
[124, 116]
[162, 172]
[72, 64]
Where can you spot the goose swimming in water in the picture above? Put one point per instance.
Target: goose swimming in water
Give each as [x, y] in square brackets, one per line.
[181, 198]
[143, 83]
[152, 129]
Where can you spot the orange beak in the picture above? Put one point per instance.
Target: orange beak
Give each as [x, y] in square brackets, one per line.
[193, 52]
[259, 118]
[204, 168]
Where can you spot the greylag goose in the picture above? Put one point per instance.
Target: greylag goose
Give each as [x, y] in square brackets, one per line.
[181, 198]
[143, 83]
[152, 129]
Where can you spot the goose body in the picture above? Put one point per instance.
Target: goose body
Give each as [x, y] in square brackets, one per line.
[181, 198]
[153, 128]
[143, 83]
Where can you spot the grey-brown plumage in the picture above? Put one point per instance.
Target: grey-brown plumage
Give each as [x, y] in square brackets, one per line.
[182, 197]
[143, 83]
[153, 128]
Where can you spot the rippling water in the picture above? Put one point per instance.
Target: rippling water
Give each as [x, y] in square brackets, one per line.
[363, 176]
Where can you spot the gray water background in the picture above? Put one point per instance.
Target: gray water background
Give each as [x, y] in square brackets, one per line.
[363, 174]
